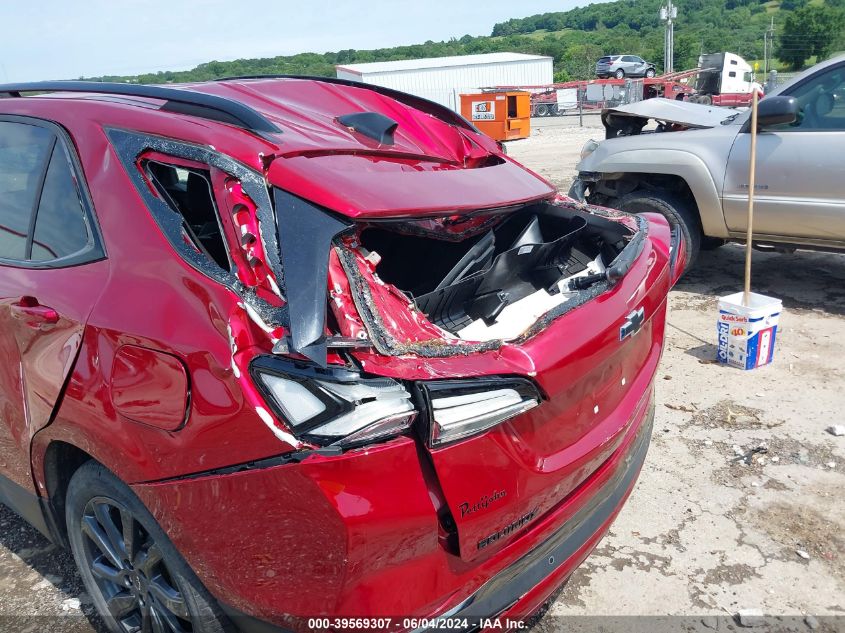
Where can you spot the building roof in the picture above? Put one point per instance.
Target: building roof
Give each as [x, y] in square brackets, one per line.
[438, 62]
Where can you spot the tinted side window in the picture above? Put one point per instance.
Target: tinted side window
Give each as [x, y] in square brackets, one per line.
[24, 150]
[822, 101]
[60, 228]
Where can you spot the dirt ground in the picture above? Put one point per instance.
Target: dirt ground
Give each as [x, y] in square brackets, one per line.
[554, 147]
[704, 535]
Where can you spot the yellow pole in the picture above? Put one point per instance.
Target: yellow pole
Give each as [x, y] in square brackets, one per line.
[750, 224]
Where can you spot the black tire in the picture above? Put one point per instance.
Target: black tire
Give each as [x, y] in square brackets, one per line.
[705, 100]
[619, 74]
[542, 110]
[682, 217]
[711, 243]
[128, 565]
[650, 73]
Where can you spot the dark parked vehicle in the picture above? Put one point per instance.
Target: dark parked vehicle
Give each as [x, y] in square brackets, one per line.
[621, 66]
[273, 346]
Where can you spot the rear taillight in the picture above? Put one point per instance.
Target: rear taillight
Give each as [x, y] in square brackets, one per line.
[461, 408]
[334, 406]
[341, 407]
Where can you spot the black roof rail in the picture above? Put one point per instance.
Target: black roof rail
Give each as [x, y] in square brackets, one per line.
[420, 103]
[182, 101]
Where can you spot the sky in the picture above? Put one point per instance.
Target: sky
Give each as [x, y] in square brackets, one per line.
[52, 39]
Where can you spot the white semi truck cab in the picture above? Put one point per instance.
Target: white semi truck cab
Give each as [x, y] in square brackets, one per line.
[725, 79]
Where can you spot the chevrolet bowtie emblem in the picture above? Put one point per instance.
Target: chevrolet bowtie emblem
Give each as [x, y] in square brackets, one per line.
[632, 325]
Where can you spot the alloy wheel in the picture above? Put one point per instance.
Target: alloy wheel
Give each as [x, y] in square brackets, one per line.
[129, 571]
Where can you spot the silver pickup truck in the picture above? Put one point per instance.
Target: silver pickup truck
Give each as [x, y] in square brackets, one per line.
[698, 177]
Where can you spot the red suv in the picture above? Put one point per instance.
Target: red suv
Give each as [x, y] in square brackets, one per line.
[308, 353]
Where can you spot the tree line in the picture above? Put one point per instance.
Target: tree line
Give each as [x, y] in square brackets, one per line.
[806, 29]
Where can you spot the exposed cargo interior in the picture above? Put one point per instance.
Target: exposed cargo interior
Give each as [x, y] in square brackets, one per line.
[496, 281]
[188, 192]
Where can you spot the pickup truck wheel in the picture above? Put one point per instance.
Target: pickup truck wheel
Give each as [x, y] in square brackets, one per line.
[682, 219]
[711, 243]
[135, 577]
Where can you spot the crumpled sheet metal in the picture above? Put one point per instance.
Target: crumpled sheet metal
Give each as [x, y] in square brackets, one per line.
[380, 335]
[130, 145]
[386, 343]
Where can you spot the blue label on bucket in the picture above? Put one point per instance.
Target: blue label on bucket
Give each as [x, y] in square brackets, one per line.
[761, 348]
[746, 342]
[723, 329]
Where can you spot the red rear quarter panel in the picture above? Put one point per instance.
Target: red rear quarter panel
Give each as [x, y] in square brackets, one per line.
[153, 299]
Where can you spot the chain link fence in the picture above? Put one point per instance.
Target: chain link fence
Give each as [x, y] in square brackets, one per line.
[588, 97]
[776, 79]
[585, 97]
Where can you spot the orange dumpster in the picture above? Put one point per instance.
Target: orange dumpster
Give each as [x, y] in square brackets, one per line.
[503, 116]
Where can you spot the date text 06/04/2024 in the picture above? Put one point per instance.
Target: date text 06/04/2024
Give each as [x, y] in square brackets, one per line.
[384, 624]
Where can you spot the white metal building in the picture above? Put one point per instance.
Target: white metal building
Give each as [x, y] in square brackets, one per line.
[444, 79]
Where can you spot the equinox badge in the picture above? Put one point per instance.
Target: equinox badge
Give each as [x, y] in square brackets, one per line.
[633, 322]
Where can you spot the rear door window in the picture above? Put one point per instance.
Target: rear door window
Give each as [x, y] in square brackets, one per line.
[24, 151]
[60, 227]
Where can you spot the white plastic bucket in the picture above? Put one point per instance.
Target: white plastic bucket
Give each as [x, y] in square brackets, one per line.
[747, 333]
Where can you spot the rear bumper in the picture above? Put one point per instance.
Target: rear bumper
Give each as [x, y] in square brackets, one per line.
[522, 588]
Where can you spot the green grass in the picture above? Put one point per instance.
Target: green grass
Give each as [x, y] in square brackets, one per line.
[775, 64]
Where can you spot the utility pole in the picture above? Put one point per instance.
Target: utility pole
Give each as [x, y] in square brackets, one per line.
[768, 45]
[668, 13]
[766, 51]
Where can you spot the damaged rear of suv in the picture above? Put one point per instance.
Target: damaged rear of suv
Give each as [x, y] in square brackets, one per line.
[336, 339]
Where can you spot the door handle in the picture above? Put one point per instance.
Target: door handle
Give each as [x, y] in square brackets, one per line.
[33, 313]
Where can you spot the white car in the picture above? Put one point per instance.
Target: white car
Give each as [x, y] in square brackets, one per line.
[621, 66]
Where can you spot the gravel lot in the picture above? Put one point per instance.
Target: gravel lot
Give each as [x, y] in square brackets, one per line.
[703, 535]
[554, 147]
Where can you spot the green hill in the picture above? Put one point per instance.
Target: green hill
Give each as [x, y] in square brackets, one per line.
[575, 39]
